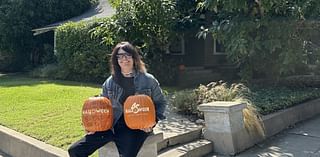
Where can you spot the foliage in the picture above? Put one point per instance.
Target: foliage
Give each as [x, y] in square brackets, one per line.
[115, 3]
[185, 102]
[188, 18]
[19, 17]
[271, 99]
[220, 91]
[147, 24]
[46, 71]
[80, 54]
[265, 38]
[301, 81]
[263, 99]
[266, 98]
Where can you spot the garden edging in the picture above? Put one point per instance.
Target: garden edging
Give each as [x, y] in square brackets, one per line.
[276, 122]
[17, 144]
[225, 124]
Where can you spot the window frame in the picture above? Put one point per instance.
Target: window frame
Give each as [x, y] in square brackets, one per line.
[215, 48]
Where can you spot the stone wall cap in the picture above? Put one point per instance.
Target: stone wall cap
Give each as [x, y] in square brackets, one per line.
[222, 106]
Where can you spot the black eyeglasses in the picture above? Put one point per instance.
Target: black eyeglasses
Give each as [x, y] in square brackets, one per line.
[122, 56]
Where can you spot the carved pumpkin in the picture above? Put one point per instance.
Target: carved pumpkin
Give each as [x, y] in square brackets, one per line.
[97, 114]
[139, 112]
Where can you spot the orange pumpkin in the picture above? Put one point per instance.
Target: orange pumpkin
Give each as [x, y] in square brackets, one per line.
[139, 112]
[97, 114]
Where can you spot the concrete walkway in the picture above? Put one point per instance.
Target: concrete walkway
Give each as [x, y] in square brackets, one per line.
[3, 154]
[302, 140]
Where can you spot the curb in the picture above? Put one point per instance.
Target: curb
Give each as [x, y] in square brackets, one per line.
[16, 144]
[276, 122]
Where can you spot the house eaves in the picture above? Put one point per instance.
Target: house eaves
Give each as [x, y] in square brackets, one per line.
[103, 9]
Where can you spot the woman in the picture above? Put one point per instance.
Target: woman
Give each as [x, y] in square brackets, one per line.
[128, 77]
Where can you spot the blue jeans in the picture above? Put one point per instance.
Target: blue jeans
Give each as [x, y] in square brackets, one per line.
[128, 141]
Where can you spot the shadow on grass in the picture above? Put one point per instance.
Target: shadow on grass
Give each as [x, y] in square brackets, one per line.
[18, 79]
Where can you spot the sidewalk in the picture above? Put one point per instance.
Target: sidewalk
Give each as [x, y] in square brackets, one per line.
[303, 140]
[3, 154]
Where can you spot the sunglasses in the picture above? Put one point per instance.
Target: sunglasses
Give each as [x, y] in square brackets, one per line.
[122, 56]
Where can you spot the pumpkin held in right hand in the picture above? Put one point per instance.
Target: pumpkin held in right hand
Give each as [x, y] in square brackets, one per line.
[97, 114]
[139, 112]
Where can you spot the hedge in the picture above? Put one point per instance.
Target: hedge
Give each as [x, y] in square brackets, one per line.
[81, 55]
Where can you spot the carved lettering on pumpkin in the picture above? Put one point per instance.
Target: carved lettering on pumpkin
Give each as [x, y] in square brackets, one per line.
[93, 111]
[135, 108]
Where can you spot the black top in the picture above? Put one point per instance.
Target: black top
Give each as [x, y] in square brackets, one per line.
[128, 88]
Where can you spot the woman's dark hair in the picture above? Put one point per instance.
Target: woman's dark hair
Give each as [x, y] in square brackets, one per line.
[138, 64]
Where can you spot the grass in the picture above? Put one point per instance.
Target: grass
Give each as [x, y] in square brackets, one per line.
[47, 110]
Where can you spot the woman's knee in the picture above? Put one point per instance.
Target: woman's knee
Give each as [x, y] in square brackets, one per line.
[72, 150]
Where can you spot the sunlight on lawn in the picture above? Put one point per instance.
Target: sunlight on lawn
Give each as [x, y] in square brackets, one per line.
[46, 110]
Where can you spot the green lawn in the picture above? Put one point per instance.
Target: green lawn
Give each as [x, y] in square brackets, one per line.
[44, 109]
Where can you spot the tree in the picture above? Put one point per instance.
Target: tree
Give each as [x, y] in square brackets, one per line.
[266, 38]
[19, 17]
[147, 24]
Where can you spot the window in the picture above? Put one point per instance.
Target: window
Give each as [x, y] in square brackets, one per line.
[177, 46]
[218, 48]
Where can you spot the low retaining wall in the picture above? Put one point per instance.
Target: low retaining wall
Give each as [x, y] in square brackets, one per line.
[233, 137]
[224, 124]
[148, 149]
[16, 144]
[276, 122]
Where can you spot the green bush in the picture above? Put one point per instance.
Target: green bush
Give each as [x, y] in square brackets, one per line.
[220, 91]
[254, 37]
[301, 81]
[46, 71]
[147, 24]
[185, 102]
[81, 54]
[269, 99]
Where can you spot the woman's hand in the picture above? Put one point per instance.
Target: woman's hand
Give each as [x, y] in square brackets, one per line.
[89, 132]
[147, 130]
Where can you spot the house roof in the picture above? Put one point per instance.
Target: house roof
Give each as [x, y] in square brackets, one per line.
[103, 9]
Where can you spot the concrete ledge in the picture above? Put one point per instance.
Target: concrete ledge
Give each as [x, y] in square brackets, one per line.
[18, 145]
[276, 122]
[148, 149]
[180, 138]
[229, 135]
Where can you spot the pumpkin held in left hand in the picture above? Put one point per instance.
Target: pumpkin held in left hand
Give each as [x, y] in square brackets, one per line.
[97, 114]
[139, 112]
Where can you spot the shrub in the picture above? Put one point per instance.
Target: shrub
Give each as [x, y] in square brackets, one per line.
[269, 99]
[80, 54]
[220, 91]
[46, 71]
[185, 101]
[147, 24]
[301, 81]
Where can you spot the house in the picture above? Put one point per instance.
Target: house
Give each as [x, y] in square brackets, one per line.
[200, 60]
[102, 9]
